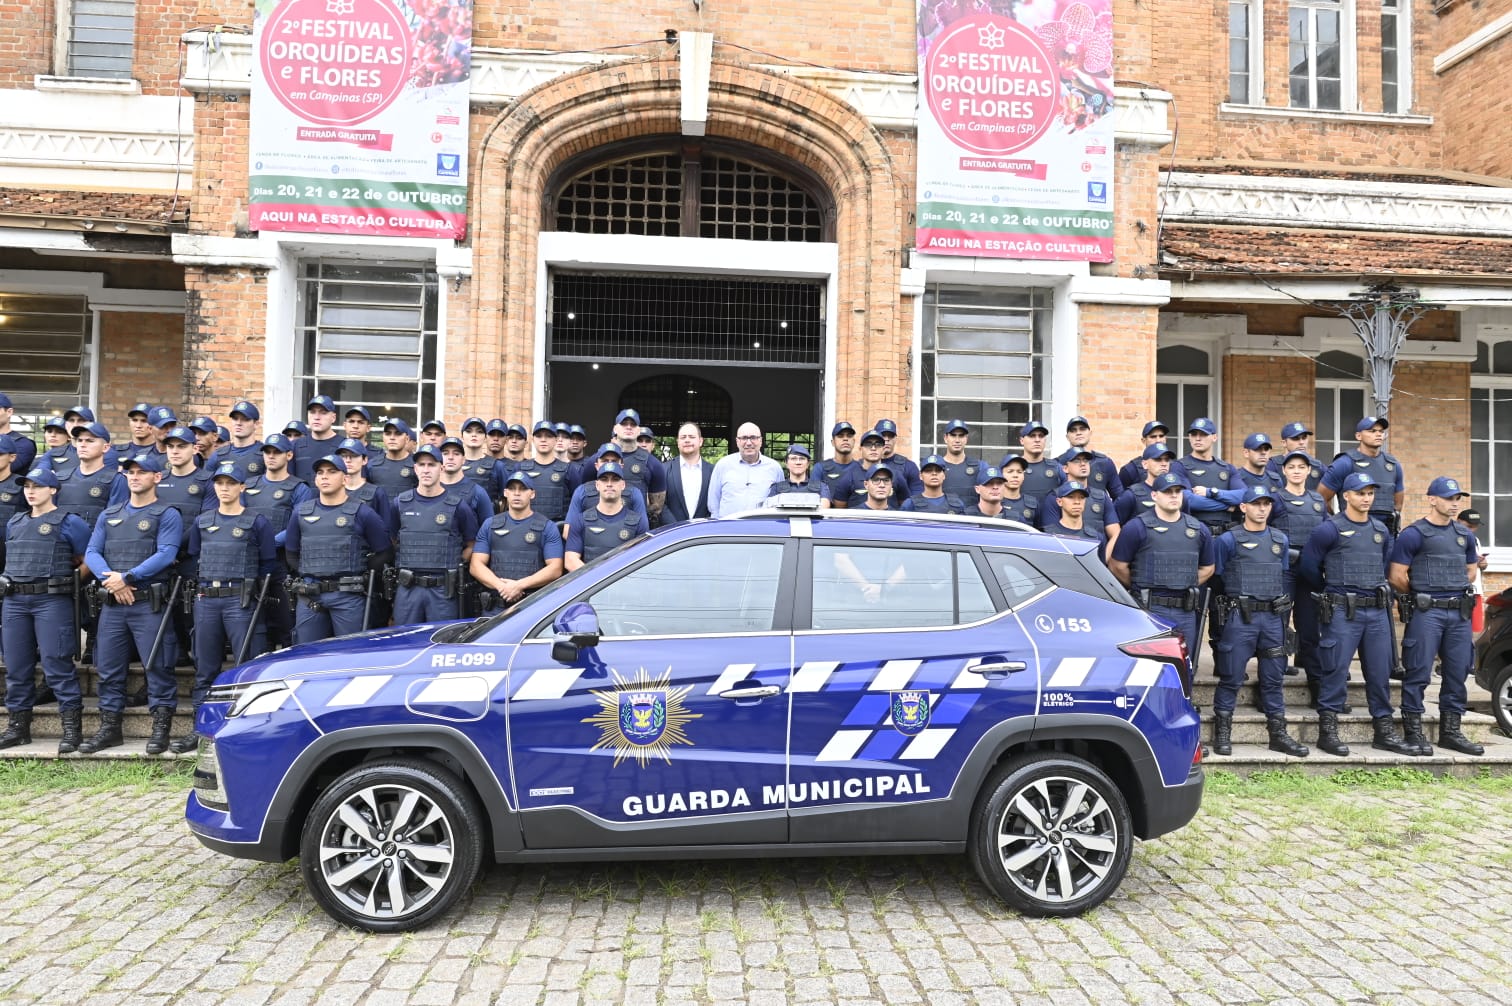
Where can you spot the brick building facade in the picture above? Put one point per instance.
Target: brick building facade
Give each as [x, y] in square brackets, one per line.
[1274, 158]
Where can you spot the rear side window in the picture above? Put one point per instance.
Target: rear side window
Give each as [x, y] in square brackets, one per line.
[860, 586]
[1019, 580]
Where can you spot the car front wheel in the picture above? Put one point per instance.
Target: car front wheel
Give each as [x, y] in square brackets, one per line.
[1501, 699]
[391, 845]
[1052, 835]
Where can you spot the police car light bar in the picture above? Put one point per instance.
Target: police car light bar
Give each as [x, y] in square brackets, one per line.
[806, 505]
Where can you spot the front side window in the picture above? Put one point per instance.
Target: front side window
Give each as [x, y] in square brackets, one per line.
[368, 334]
[859, 586]
[1316, 53]
[707, 588]
[100, 39]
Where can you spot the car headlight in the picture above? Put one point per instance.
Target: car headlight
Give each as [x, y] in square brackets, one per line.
[250, 697]
[207, 786]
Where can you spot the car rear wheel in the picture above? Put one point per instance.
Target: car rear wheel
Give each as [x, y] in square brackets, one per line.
[1501, 699]
[1051, 835]
[391, 845]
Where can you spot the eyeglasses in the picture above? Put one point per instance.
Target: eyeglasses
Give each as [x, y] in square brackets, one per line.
[748, 438]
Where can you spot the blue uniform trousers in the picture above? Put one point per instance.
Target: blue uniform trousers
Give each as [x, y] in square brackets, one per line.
[338, 614]
[39, 624]
[121, 626]
[1367, 634]
[1237, 644]
[1444, 634]
[1305, 624]
[413, 605]
[217, 622]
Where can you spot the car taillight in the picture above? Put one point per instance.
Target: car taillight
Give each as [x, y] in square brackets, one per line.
[1168, 649]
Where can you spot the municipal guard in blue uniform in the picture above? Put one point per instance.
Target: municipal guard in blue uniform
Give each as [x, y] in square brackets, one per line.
[798, 477]
[1104, 470]
[849, 489]
[1133, 471]
[1370, 457]
[333, 543]
[245, 448]
[274, 494]
[550, 476]
[1257, 454]
[906, 481]
[57, 447]
[878, 489]
[960, 470]
[132, 553]
[391, 468]
[642, 471]
[1017, 504]
[586, 496]
[233, 559]
[840, 462]
[606, 525]
[496, 433]
[1346, 556]
[1206, 475]
[1296, 511]
[517, 551]
[436, 533]
[1294, 440]
[206, 438]
[453, 458]
[1137, 497]
[1254, 563]
[43, 546]
[12, 498]
[90, 485]
[25, 447]
[354, 454]
[1069, 519]
[1099, 514]
[1041, 474]
[478, 465]
[933, 498]
[185, 487]
[320, 439]
[1433, 567]
[1164, 556]
[989, 494]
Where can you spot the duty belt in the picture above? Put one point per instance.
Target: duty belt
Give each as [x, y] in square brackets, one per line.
[212, 588]
[344, 584]
[1360, 600]
[409, 578]
[64, 586]
[1181, 602]
[1275, 605]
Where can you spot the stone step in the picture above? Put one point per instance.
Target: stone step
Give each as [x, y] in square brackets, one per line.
[135, 723]
[1250, 758]
[45, 748]
[1354, 728]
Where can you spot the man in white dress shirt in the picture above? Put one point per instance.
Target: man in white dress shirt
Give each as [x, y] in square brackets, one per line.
[740, 481]
[687, 478]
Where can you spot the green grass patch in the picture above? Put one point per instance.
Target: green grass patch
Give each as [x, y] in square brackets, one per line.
[26, 775]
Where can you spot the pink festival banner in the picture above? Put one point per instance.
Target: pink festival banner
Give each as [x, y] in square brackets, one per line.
[1016, 129]
[359, 117]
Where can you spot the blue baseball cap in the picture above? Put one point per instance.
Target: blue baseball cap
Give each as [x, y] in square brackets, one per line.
[1077, 421]
[880, 468]
[1154, 425]
[1082, 452]
[1256, 492]
[148, 461]
[957, 424]
[277, 442]
[841, 427]
[7, 444]
[203, 424]
[521, 478]
[800, 450]
[142, 409]
[544, 426]
[84, 412]
[1296, 454]
[438, 424]
[886, 427]
[1154, 451]
[96, 430]
[55, 423]
[1370, 421]
[933, 461]
[1017, 459]
[183, 433]
[361, 410]
[516, 430]
[496, 426]
[574, 430]
[1446, 488]
[1255, 441]
[328, 459]
[230, 470]
[162, 416]
[562, 429]
[5, 401]
[1033, 426]
[1203, 424]
[1293, 430]
[1067, 488]
[399, 425]
[474, 421]
[610, 468]
[986, 475]
[222, 434]
[39, 477]
[609, 448]
[453, 442]
[1356, 481]
[872, 434]
[1170, 480]
[629, 414]
[426, 451]
[246, 409]
[352, 446]
[646, 433]
[297, 426]
[321, 401]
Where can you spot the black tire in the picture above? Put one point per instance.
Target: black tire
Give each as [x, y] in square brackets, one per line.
[410, 879]
[1501, 699]
[1037, 860]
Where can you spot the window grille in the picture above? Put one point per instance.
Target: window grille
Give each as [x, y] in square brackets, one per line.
[101, 38]
[638, 195]
[45, 351]
[747, 202]
[368, 335]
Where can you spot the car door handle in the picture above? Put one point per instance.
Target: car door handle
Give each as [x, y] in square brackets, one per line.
[753, 692]
[1001, 667]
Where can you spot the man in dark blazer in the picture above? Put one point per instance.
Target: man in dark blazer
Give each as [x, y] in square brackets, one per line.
[681, 475]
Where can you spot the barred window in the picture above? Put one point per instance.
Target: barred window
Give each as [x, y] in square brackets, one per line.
[368, 334]
[101, 38]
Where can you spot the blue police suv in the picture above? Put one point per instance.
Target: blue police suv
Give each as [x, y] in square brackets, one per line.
[779, 683]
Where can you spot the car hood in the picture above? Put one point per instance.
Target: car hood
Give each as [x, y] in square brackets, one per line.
[376, 649]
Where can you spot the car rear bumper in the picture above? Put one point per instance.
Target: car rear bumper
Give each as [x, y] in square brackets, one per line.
[1175, 806]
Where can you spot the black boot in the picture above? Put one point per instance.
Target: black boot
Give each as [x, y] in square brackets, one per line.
[1412, 733]
[1451, 737]
[1223, 733]
[1282, 741]
[162, 727]
[1387, 739]
[73, 730]
[1328, 734]
[138, 698]
[190, 741]
[108, 736]
[1292, 670]
[18, 730]
[44, 696]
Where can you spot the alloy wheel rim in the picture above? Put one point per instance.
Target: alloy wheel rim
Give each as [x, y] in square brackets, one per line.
[386, 851]
[1057, 839]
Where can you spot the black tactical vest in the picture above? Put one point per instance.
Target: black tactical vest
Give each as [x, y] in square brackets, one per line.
[1085, 532]
[274, 500]
[1213, 474]
[228, 549]
[1439, 566]
[1041, 478]
[430, 539]
[919, 503]
[86, 495]
[550, 482]
[601, 534]
[330, 543]
[481, 472]
[1025, 509]
[1355, 563]
[637, 465]
[1167, 560]
[516, 549]
[131, 535]
[186, 494]
[13, 498]
[1296, 516]
[35, 548]
[960, 478]
[1382, 468]
[1258, 566]
[395, 477]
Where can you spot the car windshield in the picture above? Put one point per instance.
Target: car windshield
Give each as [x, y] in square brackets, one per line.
[466, 632]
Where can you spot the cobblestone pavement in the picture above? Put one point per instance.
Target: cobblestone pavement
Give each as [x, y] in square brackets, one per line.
[1304, 891]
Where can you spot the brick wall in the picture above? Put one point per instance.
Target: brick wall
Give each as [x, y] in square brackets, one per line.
[1477, 93]
[1260, 395]
[1116, 380]
[1430, 427]
[218, 204]
[224, 346]
[141, 359]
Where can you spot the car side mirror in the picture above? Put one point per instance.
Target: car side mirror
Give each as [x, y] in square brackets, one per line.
[577, 629]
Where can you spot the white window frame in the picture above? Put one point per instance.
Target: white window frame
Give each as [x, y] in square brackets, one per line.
[1176, 435]
[1349, 99]
[1256, 13]
[1490, 383]
[63, 20]
[1334, 385]
[1403, 15]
